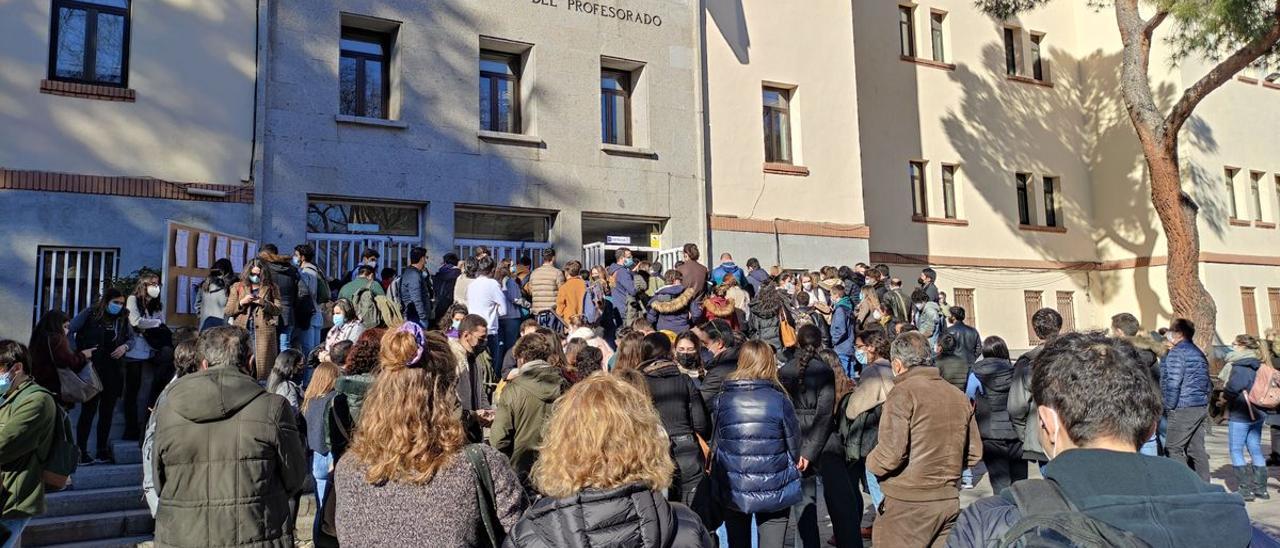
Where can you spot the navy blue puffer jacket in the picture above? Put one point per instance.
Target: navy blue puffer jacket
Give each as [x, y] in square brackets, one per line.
[757, 444]
[1184, 379]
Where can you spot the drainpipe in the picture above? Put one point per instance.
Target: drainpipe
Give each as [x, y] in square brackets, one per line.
[704, 127]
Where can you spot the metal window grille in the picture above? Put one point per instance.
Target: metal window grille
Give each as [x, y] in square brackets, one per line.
[72, 278]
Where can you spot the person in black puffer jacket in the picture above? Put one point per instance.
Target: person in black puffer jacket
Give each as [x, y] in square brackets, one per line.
[682, 411]
[286, 277]
[950, 363]
[594, 501]
[756, 468]
[1001, 446]
[811, 383]
[767, 309]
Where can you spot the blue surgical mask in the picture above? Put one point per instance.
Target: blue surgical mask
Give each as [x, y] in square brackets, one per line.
[255, 279]
[296, 262]
[628, 262]
[6, 381]
[114, 308]
[456, 324]
[860, 356]
[338, 320]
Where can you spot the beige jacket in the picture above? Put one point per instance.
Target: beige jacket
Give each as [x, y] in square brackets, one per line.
[543, 286]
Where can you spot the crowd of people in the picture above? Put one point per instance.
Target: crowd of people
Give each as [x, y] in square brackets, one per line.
[495, 403]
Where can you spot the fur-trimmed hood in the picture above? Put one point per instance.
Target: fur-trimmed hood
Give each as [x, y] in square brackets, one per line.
[1144, 342]
[719, 307]
[672, 299]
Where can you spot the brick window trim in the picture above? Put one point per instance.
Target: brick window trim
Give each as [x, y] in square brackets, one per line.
[939, 221]
[777, 168]
[88, 91]
[1039, 228]
[137, 187]
[1029, 80]
[928, 62]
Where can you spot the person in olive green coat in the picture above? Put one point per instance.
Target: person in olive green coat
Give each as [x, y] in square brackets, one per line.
[525, 404]
[228, 456]
[27, 414]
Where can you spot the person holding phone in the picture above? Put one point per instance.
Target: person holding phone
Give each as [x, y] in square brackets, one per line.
[254, 304]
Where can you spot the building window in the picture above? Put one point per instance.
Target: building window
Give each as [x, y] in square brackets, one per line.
[906, 31]
[365, 73]
[1037, 62]
[1231, 193]
[936, 20]
[499, 92]
[1024, 200]
[919, 196]
[949, 191]
[501, 225]
[1011, 47]
[1031, 304]
[1067, 309]
[777, 125]
[615, 107]
[362, 218]
[1050, 201]
[90, 42]
[1273, 299]
[1255, 193]
[1248, 302]
[72, 279]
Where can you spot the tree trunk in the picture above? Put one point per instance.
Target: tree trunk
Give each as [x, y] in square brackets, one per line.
[1177, 215]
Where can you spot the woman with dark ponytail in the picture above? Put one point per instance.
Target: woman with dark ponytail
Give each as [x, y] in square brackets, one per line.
[811, 383]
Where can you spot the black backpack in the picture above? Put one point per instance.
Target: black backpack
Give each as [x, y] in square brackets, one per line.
[1049, 520]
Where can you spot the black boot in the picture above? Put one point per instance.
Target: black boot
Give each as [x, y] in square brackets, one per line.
[1244, 479]
[1260, 482]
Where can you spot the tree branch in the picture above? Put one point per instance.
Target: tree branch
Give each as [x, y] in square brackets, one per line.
[1219, 74]
[1149, 28]
[1135, 85]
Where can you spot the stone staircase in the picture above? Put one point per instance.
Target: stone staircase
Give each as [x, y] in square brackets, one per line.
[104, 507]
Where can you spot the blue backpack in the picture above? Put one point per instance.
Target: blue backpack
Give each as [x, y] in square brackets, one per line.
[590, 310]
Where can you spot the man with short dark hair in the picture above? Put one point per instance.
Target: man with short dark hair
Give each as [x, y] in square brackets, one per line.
[364, 280]
[927, 315]
[445, 279]
[756, 276]
[898, 300]
[1184, 381]
[416, 293]
[369, 257]
[475, 369]
[968, 341]
[1098, 403]
[544, 284]
[1047, 324]
[928, 279]
[693, 273]
[228, 456]
[623, 295]
[27, 422]
[312, 294]
[1150, 351]
[927, 436]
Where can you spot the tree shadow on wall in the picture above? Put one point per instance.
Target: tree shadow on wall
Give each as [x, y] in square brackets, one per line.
[1004, 126]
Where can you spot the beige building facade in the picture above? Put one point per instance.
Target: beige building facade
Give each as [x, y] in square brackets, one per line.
[1004, 158]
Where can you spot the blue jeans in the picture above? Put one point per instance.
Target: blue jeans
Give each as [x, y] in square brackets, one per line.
[14, 526]
[847, 363]
[1246, 435]
[286, 335]
[308, 336]
[320, 471]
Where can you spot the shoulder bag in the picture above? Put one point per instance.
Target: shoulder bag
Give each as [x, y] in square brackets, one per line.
[76, 387]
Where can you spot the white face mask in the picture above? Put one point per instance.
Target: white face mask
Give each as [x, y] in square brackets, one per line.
[153, 291]
[808, 286]
[877, 315]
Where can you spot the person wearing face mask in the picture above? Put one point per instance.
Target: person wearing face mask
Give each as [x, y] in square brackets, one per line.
[867, 313]
[623, 296]
[27, 422]
[859, 414]
[105, 328]
[213, 294]
[369, 257]
[688, 355]
[843, 330]
[1097, 405]
[150, 352]
[927, 316]
[927, 280]
[684, 416]
[474, 371]
[718, 339]
[927, 436]
[254, 305]
[313, 295]
[1185, 384]
[346, 326]
[806, 314]
[1244, 427]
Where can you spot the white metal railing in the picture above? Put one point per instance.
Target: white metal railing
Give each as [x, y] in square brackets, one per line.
[669, 257]
[72, 279]
[593, 254]
[503, 249]
[338, 254]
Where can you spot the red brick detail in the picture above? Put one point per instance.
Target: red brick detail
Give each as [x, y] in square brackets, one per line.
[1086, 266]
[88, 91]
[784, 226]
[137, 187]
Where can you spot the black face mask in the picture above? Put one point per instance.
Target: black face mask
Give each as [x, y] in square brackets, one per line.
[688, 361]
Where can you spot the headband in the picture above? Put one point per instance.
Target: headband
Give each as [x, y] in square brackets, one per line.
[419, 337]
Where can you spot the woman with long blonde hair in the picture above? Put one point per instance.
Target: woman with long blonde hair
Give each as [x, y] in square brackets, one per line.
[408, 477]
[757, 466]
[605, 468]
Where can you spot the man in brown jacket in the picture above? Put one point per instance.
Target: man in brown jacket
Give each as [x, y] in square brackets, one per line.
[928, 435]
[544, 283]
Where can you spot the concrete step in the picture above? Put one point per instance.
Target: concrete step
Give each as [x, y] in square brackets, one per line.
[92, 501]
[99, 476]
[119, 542]
[126, 452]
[45, 531]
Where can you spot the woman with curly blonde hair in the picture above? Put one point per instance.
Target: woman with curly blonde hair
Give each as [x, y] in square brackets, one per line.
[407, 478]
[605, 468]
